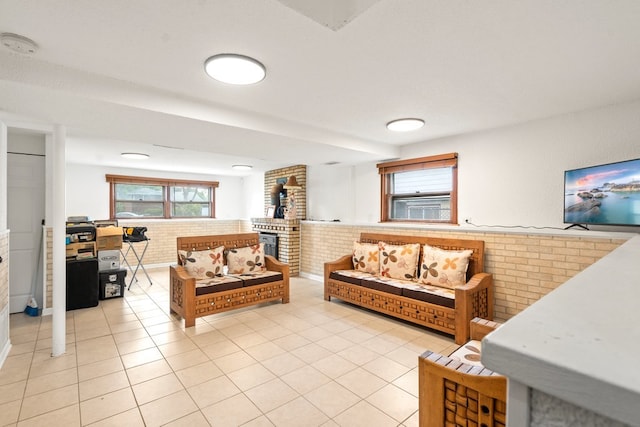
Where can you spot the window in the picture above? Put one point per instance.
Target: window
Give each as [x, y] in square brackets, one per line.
[423, 189]
[136, 197]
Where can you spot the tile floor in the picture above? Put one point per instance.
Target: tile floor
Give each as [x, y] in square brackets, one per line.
[129, 363]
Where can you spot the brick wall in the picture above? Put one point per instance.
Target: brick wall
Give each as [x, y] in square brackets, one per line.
[288, 231]
[244, 226]
[162, 236]
[525, 267]
[300, 172]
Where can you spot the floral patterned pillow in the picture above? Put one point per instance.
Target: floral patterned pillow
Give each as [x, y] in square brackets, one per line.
[249, 259]
[444, 268]
[366, 257]
[203, 264]
[399, 261]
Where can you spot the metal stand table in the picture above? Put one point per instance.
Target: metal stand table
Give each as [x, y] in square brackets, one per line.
[130, 240]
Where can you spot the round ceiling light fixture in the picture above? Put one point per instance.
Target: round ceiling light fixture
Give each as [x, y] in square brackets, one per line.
[18, 43]
[135, 156]
[242, 167]
[235, 69]
[405, 125]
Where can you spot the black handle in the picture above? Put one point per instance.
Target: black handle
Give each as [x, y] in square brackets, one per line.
[0, 259]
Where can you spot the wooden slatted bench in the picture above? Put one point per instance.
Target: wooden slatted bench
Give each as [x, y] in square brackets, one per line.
[190, 300]
[452, 316]
[453, 393]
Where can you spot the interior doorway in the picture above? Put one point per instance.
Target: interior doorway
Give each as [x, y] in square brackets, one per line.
[25, 213]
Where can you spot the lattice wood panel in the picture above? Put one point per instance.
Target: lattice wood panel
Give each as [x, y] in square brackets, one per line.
[480, 304]
[345, 292]
[465, 407]
[177, 292]
[223, 301]
[423, 313]
[201, 243]
[382, 302]
[442, 317]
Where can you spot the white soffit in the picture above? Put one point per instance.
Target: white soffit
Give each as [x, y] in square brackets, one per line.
[334, 14]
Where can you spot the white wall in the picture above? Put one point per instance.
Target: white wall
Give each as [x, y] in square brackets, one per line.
[5, 343]
[253, 189]
[325, 182]
[88, 190]
[4, 145]
[26, 143]
[346, 193]
[509, 176]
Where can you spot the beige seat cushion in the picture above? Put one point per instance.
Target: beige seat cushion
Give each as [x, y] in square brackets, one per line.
[469, 353]
[218, 284]
[250, 279]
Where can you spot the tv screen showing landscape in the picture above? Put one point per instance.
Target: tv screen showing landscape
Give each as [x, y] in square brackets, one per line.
[605, 194]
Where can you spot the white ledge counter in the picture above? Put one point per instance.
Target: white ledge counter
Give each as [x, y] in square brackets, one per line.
[579, 345]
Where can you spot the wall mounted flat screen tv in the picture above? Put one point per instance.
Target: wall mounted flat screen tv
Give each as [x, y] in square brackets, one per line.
[606, 194]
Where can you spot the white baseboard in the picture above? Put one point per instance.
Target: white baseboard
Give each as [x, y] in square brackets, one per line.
[5, 353]
[149, 266]
[5, 340]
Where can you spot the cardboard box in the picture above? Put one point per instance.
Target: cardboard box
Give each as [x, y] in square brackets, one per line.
[81, 250]
[108, 238]
[108, 260]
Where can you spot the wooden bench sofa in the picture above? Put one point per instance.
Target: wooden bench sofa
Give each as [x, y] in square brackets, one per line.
[446, 310]
[216, 292]
[457, 390]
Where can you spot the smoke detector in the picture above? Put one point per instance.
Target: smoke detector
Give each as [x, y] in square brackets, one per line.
[18, 43]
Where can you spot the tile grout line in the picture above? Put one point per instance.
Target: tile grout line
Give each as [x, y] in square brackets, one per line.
[314, 314]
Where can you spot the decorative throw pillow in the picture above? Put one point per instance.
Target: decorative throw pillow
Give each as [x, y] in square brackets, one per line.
[444, 268]
[203, 264]
[366, 257]
[249, 259]
[399, 261]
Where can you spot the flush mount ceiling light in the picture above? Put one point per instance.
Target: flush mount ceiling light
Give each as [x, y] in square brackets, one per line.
[235, 69]
[18, 43]
[405, 125]
[135, 156]
[242, 167]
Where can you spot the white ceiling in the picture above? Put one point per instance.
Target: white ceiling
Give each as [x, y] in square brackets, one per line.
[126, 75]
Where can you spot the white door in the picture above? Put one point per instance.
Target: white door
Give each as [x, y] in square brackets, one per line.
[25, 212]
